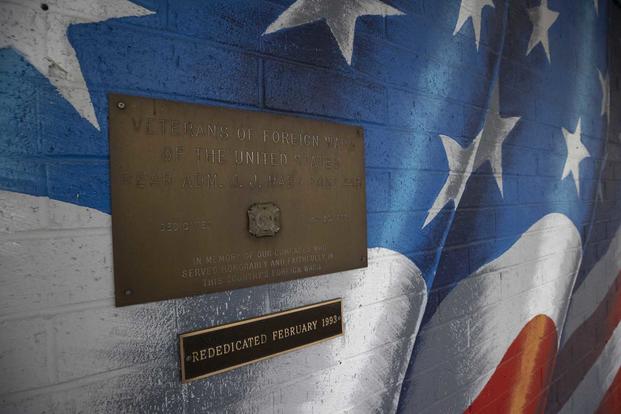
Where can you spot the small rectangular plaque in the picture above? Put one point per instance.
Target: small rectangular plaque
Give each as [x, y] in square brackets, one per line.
[211, 351]
[207, 199]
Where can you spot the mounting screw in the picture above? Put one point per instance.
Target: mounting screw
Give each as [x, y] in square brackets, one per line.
[120, 105]
[128, 292]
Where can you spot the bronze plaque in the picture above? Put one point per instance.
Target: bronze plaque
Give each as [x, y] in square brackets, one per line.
[207, 199]
[211, 351]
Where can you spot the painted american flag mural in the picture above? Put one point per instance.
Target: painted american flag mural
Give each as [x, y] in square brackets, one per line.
[493, 155]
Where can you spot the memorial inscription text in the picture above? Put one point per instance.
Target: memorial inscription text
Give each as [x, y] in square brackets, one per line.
[214, 350]
[183, 177]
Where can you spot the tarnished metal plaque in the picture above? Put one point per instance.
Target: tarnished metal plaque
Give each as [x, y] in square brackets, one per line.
[211, 351]
[207, 199]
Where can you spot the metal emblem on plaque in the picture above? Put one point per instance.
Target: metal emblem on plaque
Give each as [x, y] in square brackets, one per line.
[263, 219]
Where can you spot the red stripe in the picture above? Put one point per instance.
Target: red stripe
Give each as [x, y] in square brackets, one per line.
[611, 403]
[520, 381]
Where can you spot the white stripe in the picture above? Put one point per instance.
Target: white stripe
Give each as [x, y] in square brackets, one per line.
[594, 288]
[478, 320]
[589, 393]
[51, 265]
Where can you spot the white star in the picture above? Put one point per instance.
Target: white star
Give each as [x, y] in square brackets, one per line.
[460, 163]
[340, 16]
[576, 152]
[472, 9]
[39, 33]
[605, 84]
[486, 147]
[542, 19]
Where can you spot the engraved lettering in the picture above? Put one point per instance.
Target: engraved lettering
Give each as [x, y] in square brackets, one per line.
[329, 163]
[323, 181]
[229, 347]
[260, 158]
[294, 330]
[175, 129]
[150, 122]
[281, 180]
[290, 138]
[207, 181]
[329, 218]
[163, 126]
[190, 225]
[199, 130]
[244, 134]
[337, 142]
[172, 153]
[209, 155]
[137, 123]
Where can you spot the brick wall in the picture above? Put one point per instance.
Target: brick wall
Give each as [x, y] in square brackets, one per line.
[64, 347]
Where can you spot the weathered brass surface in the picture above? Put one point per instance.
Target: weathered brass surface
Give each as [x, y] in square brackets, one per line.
[211, 351]
[185, 179]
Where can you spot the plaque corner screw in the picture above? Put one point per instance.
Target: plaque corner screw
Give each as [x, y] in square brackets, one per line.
[128, 292]
[120, 105]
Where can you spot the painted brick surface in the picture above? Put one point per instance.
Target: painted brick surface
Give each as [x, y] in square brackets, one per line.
[493, 220]
[31, 337]
[65, 269]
